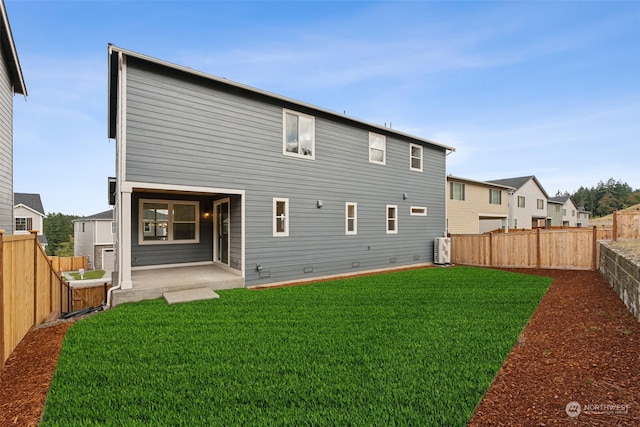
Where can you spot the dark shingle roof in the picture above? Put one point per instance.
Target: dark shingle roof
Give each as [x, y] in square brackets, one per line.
[559, 199]
[519, 182]
[102, 215]
[30, 200]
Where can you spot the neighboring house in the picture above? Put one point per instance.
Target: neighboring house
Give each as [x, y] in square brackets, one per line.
[93, 237]
[554, 212]
[28, 214]
[210, 171]
[582, 217]
[570, 212]
[528, 204]
[11, 82]
[476, 206]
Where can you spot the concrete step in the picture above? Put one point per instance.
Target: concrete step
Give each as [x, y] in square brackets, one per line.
[189, 295]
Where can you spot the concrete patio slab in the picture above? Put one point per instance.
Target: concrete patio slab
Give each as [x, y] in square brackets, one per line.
[188, 295]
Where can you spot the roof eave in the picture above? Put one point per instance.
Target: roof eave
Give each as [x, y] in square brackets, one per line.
[13, 61]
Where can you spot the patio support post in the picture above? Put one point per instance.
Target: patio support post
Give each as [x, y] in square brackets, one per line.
[124, 244]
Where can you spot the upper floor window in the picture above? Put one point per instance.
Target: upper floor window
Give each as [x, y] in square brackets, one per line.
[540, 204]
[495, 196]
[564, 212]
[351, 218]
[415, 152]
[557, 208]
[521, 201]
[23, 224]
[164, 221]
[377, 148]
[418, 211]
[573, 212]
[392, 219]
[456, 190]
[280, 217]
[299, 135]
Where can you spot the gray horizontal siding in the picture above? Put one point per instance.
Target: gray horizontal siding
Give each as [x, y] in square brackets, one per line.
[6, 148]
[184, 133]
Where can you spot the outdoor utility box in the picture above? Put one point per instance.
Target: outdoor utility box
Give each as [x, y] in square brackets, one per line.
[442, 250]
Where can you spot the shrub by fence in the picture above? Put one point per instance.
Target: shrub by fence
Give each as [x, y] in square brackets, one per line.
[30, 289]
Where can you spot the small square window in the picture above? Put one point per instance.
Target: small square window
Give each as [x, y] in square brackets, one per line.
[415, 157]
[377, 148]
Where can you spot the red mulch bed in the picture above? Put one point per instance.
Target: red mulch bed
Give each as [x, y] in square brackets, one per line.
[581, 345]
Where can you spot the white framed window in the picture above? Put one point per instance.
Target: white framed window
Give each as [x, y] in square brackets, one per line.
[377, 148]
[168, 221]
[418, 211]
[415, 157]
[564, 212]
[540, 204]
[298, 135]
[521, 201]
[351, 218]
[573, 212]
[495, 196]
[23, 224]
[392, 219]
[280, 217]
[456, 190]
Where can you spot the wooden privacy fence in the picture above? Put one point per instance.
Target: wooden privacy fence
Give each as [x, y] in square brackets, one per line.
[71, 263]
[626, 225]
[30, 289]
[564, 249]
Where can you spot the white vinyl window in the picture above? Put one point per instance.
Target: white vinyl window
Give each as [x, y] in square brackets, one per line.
[415, 157]
[23, 224]
[521, 201]
[168, 221]
[280, 217]
[495, 196]
[392, 219]
[540, 204]
[299, 135]
[456, 190]
[351, 218]
[377, 148]
[418, 211]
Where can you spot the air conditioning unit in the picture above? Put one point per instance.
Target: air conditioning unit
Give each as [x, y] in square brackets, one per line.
[442, 250]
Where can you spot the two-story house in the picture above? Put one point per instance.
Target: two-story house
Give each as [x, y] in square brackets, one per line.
[476, 206]
[571, 215]
[527, 204]
[28, 214]
[11, 83]
[267, 188]
[93, 238]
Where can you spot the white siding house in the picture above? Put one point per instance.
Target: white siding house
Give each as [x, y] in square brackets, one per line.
[528, 204]
[93, 237]
[28, 215]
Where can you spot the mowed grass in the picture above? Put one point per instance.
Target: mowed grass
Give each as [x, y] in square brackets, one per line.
[416, 347]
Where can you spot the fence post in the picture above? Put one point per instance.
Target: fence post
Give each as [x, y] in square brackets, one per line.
[615, 225]
[594, 240]
[490, 249]
[34, 234]
[2, 299]
[538, 249]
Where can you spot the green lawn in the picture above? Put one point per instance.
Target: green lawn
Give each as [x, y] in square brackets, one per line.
[88, 274]
[417, 347]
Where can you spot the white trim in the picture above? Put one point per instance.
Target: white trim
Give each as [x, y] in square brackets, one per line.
[161, 266]
[284, 135]
[395, 219]
[411, 213]
[226, 200]
[346, 219]
[170, 222]
[23, 206]
[131, 185]
[384, 149]
[285, 233]
[411, 146]
[494, 215]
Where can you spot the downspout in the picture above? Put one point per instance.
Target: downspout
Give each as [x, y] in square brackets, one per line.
[446, 205]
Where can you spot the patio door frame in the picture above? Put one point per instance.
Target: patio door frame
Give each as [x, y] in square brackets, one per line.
[216, 230]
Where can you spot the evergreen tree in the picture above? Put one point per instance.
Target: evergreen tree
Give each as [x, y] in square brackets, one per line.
[58, 228]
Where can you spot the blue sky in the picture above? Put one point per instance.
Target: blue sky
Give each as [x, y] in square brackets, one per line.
[545, 88]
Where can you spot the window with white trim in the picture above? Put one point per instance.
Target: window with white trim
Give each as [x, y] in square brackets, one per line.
[540, 204]
[415, 157]
[351, 218]
[521, 201]
[377, 148]
[280, 217]
[456, 190]
[23, 224]
[418, 211]
[392, 219]
[168, 221]
[495, 196]
[299, 135]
